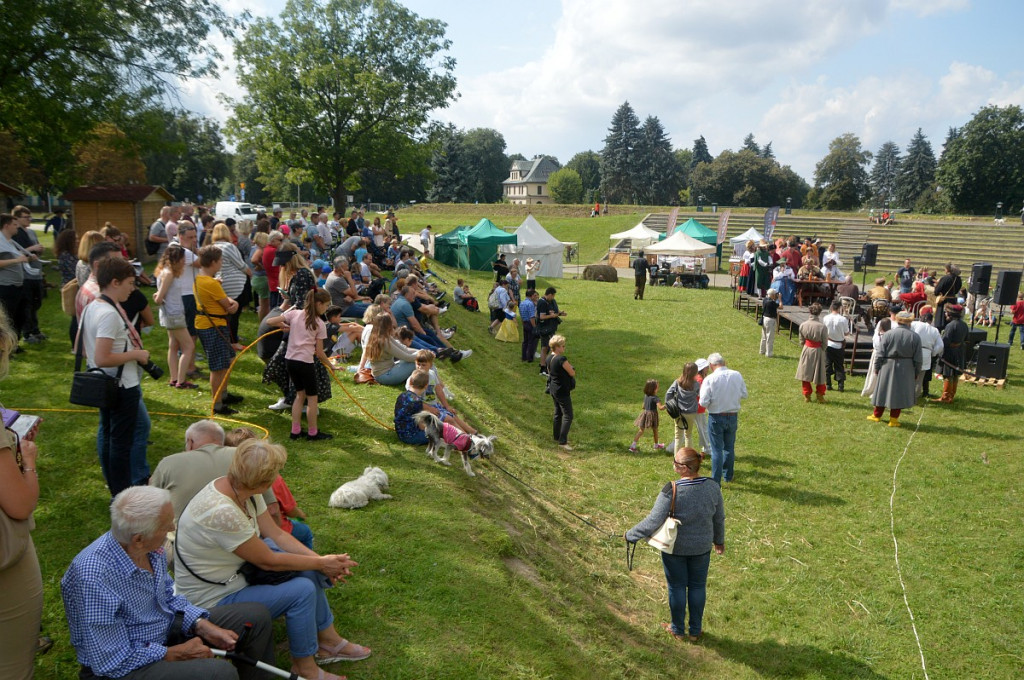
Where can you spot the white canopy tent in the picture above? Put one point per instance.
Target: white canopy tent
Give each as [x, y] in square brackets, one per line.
[739, 243]
[640, 235]
[681, 245]
[413, 241]
[534, 241]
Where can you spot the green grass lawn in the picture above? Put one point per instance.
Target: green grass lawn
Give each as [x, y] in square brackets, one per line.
[482, 578]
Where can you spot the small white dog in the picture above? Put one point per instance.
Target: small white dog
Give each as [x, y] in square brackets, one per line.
[370, 486]
[443, 435]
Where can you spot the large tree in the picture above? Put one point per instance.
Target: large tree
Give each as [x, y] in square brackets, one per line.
[66, 66]
[326, 97]
[749, 144]
[981, 164]
[658, 177]
[451, 168]
[485, 151]
[700, 152]
[884, 172]
[840, 178]
[189, 159]
[917, 171]
[108, 157]
[619, 156]
[587, 165]
[565, 186]
[745, 179]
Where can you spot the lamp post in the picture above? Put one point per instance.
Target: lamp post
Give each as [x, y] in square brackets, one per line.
[789, 206]
[999, 210]
[700, 202]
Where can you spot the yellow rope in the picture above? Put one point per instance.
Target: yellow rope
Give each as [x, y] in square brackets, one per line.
[266, 432]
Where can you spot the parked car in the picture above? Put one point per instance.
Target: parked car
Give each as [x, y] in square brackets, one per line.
[235, 209]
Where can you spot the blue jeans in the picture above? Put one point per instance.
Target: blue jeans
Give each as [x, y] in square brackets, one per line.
[114, 439]
[303, 604]
[356, 309]
[722, 433]
[138, 464]
[397, 374]
[687, 577]
[302, 533]
[1013, 329]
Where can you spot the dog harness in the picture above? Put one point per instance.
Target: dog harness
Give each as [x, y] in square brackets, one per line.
[456, 438]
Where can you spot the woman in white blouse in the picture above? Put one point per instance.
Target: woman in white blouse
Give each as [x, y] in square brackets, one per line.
[234, 273]
[219, 531]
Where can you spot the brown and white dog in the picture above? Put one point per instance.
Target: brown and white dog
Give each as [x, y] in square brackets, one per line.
[446, 436]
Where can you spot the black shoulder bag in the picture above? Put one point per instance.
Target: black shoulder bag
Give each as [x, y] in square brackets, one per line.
[93, 386]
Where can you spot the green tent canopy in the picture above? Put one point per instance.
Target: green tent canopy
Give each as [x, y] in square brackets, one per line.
[483, 241]
[451, 249]
[693, 228]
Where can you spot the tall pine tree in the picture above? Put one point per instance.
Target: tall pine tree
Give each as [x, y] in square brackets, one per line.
[700, 152]
[884, 173]
[618, 158]
[658, 179]
[451, 170]
[750, 145]
[917, 171]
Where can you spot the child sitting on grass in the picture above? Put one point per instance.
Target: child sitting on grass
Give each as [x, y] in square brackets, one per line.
[434, 398]
[408, 404]
[342, 337]
[464, 297]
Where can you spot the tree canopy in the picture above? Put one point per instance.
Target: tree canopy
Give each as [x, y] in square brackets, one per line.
[840, 178]
[744, 179]
[565, 186]
[884, 172]
[331, 107]
[917, 171]
[587, 165]
[619, 156]
[981, 163]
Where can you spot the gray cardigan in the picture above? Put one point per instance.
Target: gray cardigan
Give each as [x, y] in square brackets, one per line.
[700, 511]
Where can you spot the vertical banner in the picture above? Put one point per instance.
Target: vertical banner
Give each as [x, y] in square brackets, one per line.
[670, 226]
[770, 216]
[723, 226]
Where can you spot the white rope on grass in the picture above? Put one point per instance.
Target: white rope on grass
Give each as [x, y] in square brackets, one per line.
[896, 545]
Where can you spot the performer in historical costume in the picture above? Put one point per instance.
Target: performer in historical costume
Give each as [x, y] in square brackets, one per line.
[813, 336]
[954, 352]
[898, 362]
[783, 278]
[946, 290]
[762, 268]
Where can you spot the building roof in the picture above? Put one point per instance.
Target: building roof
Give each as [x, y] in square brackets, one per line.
[128, 193]
[535, 171]
[8, 190]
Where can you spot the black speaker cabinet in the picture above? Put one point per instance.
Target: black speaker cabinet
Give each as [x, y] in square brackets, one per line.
[992, 360]
[1006, 288]
[868, 254]
[975, 337]
[857, 263]
[981, 276]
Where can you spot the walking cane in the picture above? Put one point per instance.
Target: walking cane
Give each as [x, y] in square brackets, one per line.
[242, 658]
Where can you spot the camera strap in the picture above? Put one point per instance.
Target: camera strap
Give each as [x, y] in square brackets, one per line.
[132, 333]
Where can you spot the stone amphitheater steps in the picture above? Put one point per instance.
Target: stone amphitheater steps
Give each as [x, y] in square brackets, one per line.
[928, 244]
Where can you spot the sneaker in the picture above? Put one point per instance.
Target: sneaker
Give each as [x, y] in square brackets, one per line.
[281, 405]
[33, 340]
[659, 447]
[442, 308]
[440, 296]
[466, 353]
[632, 448]
[444, 353]
[319, 436]
[225, 411]
[296, 435]
[228, 398]
[447, 333]
[565, 447]
[455, 357]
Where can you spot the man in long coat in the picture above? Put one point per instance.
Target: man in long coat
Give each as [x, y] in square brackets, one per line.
[898, 362]
[954, 352]
[811, 369]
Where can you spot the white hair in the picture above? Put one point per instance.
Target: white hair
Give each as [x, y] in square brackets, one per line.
[136, 510]
[205, 431]
[715, 359]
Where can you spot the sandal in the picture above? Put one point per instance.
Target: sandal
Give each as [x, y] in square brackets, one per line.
[331, 654]
[172, 383]
[320, 675]
[186, 385]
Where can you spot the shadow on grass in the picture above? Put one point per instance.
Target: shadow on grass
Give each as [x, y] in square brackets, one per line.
[777, 660]
[785, 492]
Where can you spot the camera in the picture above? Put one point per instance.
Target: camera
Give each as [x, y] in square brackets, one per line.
[154, 371]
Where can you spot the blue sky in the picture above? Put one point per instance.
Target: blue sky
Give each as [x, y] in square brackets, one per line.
[549, 75]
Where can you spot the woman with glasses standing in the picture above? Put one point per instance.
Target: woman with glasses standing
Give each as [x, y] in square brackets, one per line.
[697, 504]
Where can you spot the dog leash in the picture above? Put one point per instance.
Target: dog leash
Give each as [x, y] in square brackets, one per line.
[548, 499]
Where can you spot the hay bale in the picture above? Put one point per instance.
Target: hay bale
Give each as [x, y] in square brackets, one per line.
[600, 272]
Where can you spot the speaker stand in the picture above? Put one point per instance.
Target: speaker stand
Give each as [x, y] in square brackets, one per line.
[999, 322]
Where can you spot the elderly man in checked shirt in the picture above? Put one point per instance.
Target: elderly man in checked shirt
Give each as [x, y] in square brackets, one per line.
[124, 618]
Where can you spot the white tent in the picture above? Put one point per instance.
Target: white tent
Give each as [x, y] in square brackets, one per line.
[533, 240]
[739, 243]
[640, 235]
[681, 245]
[413, 241]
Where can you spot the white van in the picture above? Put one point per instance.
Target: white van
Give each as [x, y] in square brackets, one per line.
[238, 211]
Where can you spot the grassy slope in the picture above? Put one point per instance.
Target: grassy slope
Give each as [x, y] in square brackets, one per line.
[469, 578]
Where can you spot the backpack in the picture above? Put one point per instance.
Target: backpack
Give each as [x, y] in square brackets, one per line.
[152, 247]
[471, 304]
[493, 301]
[671, 407]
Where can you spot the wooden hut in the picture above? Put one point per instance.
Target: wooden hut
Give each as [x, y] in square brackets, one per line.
[132, 208]
[9, 195]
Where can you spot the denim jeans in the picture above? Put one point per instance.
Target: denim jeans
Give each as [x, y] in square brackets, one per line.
[302, 533]
[114, 440]
[1013, 329]
[397, 374]
[563, 417]
[303, 604]
[722, 433]
[687, 577]
[139, 465]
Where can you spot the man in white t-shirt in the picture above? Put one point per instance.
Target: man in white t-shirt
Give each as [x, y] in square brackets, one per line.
[425, 240]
